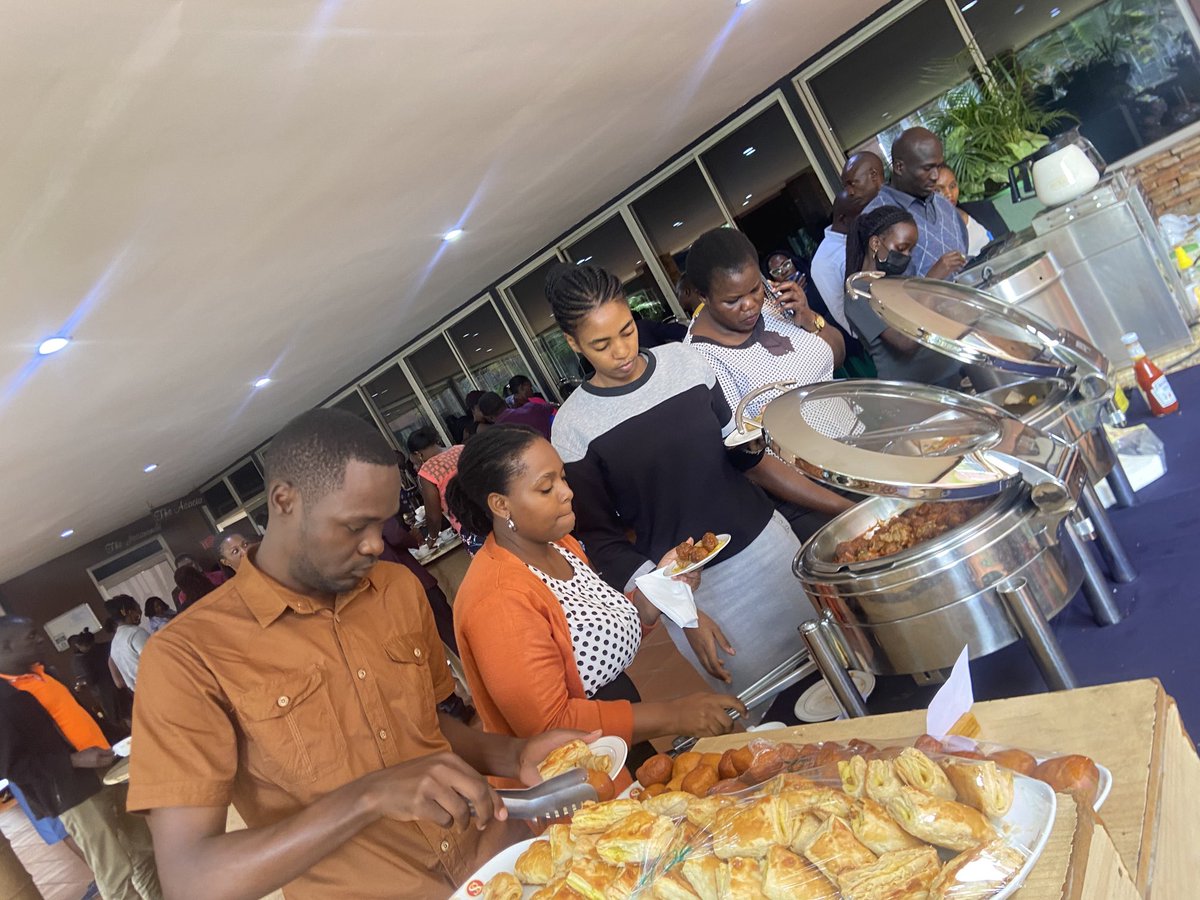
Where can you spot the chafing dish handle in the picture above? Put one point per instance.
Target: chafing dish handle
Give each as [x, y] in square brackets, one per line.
[740, 413]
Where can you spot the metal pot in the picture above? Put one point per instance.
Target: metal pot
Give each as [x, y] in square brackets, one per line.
[912, 612]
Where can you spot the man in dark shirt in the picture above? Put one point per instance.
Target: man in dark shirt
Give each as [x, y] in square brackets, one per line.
[862, 177]
[89, 664]
[51, 748]
[537, 416]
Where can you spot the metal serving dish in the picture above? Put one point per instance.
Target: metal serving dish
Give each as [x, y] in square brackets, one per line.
[911, 612]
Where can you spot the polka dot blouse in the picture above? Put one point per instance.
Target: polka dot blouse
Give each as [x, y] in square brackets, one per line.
[605, 629]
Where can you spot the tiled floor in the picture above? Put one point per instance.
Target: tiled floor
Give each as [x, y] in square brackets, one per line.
[58, 873]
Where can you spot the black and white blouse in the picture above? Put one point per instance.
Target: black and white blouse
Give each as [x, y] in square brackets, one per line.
[605, 628]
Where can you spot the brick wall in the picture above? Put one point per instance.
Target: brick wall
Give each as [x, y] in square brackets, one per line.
[1171, 179]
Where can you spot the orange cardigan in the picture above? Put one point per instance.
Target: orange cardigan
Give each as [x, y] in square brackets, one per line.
[515, 646]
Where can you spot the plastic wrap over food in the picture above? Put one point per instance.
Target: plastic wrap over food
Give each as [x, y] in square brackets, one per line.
[897, 823]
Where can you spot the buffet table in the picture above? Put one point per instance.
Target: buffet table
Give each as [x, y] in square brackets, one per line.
[448, 564]
[1143, 841]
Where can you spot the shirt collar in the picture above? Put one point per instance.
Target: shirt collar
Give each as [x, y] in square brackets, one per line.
[37, 670]
[267, 599]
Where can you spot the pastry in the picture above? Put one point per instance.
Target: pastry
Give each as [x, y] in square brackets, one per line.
[983, 785]
[655, 770]
[751, 829]
[688, 840]
[789, 781]
[899, 875]
[596, 818]
[503, 887]
[653, 791]
[571, 755]
[1075, 775]
[803, 830]
[787, 876]
[712, 760]
[703, 873]
[917, 770]
[625, 885]
[853, 773]
[726, 768]
[1018, 760]
[585, 845]
[639, 837]
[591, 877]
[835, 850]
[878, 831]
[535, 865]
[741, 877]
[944, 823]
[768, 762]
[822, 801]
[882, 781]
[698, 781]
[561, 846]
[702, 810]
[684, 763]
[977, 874]
[673, 804]
[741, 758]
[673, 886]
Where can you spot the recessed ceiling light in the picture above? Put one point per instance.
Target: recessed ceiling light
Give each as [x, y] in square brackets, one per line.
[745, 203]
[263, 382]
[1020, 9]
[582, 261]
[967, 6]
[478, 349]
[676, 224]
[452, 235]
[489, 349]
[743, 2]
[468, 334]
[52, 345]
[886, 115]
[749, 151]
[1055, 13]
[150, 468]
[748, 196]
[67, 533]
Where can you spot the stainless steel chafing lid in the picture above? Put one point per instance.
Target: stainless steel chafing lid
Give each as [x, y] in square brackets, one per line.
[966, 324]
[899, 439]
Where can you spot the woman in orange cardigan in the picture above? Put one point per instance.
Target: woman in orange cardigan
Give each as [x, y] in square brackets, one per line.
[543, 639]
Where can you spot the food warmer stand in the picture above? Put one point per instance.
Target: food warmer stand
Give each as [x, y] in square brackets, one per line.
[1052, 379]
[997, 578]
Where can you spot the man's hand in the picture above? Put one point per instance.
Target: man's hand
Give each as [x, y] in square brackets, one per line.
[538, 747]
[440, 788]
[704, 715]
[948, 265]
[706, 639]
[93, 758]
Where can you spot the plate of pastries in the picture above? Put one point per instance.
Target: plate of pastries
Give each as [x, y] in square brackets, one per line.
[692, 554]
[866, 824]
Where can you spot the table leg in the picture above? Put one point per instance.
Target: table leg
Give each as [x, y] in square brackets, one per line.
[1120, 566]
[1095, 586]
[825, 655]
[1040, 640]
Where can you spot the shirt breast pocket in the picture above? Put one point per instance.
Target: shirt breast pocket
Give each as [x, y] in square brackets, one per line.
[413, 696]
[293, 733]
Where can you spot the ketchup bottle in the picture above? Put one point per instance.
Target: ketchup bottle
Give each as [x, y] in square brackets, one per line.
[1150, 378]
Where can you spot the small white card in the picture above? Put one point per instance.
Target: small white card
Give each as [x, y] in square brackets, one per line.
[952, 701]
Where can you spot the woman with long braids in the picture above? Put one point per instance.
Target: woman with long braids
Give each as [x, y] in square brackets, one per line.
[882, 241]
[543, 639]
[642, 443]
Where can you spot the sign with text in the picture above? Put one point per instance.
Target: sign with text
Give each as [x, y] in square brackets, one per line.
[173, 509]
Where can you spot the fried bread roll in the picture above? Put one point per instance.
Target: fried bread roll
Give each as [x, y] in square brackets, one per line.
[917, 770]
[895, 875]
[535, 865]
[977, 874]
[944, 823]
[983, 785]
[787, 876]
[878, 831]
[835, 850]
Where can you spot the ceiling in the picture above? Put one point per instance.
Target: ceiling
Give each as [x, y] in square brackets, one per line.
[201, 193]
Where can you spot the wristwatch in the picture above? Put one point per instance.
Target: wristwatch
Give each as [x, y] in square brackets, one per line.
[818, 323]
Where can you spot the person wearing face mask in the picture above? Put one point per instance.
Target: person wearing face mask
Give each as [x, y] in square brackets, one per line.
[882, 240]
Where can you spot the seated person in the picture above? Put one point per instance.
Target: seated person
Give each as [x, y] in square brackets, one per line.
[544, 640]
[304, 691]
[882, 240]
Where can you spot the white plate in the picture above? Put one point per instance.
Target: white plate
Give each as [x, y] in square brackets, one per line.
[1027, 825]
[736, 438]
[121, 748]
[1103, 786]
[614, 748]
[818, 704]
[636, 787]
[504, 861]
[766, 726]
[670, 572]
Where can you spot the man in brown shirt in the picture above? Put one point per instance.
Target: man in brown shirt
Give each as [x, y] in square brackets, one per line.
[305, 691]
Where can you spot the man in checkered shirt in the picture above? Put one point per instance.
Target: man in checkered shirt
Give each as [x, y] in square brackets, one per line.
[941, 249]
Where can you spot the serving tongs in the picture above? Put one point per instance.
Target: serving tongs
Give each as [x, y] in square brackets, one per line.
[554, 798]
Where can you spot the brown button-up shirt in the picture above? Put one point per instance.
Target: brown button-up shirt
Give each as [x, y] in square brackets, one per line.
[260, 697]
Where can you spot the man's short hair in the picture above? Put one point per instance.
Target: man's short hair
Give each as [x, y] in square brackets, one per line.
[312, 451]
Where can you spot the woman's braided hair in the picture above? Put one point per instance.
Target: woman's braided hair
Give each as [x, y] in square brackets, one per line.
[574, 291]
[865, 227]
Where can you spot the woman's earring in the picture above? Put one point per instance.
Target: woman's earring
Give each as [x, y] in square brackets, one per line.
[512, 526]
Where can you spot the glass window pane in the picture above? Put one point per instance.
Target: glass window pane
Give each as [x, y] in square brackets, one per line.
[1127, 70]
[923, 56]
[446, 385]
[676, 213]
[353, 403]
[529, 294]
[491, 356]
[612, 247]
[219, 500]
[397, 404]
[773, 193]
[247, 481]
